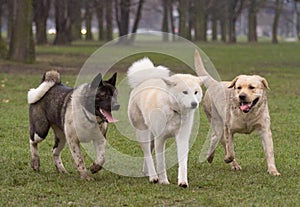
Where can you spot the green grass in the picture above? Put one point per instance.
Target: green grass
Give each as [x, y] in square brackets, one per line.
[210, 185]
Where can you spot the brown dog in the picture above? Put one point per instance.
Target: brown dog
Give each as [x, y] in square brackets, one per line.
[239, 106]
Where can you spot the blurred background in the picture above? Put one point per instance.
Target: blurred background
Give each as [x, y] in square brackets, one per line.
[26, 23]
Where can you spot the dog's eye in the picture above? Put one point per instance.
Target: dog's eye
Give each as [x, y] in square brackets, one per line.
[251, 87]
[239, 88]
[196, 92]
[184, 92]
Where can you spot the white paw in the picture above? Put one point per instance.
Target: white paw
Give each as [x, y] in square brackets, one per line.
[164, 182]
[153, 179]
[183, 184]
[273, 171]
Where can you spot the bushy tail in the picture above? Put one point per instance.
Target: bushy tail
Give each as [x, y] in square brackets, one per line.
[201, 71]
[143, 70]
[50, 78]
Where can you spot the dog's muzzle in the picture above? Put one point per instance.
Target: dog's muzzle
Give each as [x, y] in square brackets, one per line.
[246, 106]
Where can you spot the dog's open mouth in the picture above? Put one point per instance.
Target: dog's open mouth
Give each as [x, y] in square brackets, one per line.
[247, 106]
[108, 116]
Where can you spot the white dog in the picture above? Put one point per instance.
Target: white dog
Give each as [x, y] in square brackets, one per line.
[162, 106]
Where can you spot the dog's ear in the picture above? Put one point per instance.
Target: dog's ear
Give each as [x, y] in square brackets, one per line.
[264, 82]
[113, 79]
[97, 81]
[168, 82]
[232, 84]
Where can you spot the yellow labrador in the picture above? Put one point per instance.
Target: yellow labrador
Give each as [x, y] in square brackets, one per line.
[239, 106]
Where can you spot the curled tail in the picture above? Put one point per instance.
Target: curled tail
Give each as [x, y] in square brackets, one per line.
[50, 78]
[143, 70]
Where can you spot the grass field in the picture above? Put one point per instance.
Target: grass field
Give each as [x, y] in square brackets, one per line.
[210, 184]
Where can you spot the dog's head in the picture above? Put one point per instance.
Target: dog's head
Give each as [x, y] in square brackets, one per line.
[186, 90]
[105, 96]
[249, 90]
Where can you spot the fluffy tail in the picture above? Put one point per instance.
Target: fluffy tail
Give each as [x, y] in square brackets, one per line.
[143, 70]
[49, 79]
[201, 71]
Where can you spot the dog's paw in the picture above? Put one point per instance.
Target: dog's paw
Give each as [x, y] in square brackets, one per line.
[86, 177]
[228, 159]
[95, 168]
[164, 182]
[183, 184]
[235, 166]
[153, 179]
[35, 164]
[273, 171]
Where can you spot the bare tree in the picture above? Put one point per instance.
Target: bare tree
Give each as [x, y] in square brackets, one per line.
[75, 19]
[88, 19]
[253, 8]
[62, 22]
[183, 18]
[235, 8]
[297, 10]
[137, 19]
[165, 21]
[41, 13]
[278, 8]
[108, 19]
[21, 46]
[99, 5]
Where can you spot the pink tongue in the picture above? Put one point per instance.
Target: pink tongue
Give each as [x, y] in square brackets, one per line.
[109, 117]
[245, 107]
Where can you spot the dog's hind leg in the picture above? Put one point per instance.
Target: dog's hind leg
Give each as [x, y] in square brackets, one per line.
[60, 142]
[35, 159]
[38, 132]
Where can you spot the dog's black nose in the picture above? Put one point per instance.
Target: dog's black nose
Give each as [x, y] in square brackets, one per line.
[242, 96]
[115, 107]
[194, 105]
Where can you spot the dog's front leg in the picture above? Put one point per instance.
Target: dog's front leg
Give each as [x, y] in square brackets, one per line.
[229, 146]
[99, 145]
[145, 140]
[267, 141]
[182, 143]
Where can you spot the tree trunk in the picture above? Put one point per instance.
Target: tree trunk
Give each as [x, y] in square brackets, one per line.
[108, 19]
[3, 49]
[122, 9]
[88, 20]
[21, 46]
[252, 21]
[62, 23]
[232, 31]
[99, 4]
[200, 21]
[165, 22]
[183, 9]
[172, 21]
[278, 8]
[296, 3]
[41, 13]
[75, 18]
[136, 20]
[214, 27]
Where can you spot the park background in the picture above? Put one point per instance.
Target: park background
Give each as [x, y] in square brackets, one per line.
[239, 36]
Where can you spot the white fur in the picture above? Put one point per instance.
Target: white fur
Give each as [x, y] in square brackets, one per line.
[161, 107]
[35, 94]
[143, 70]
